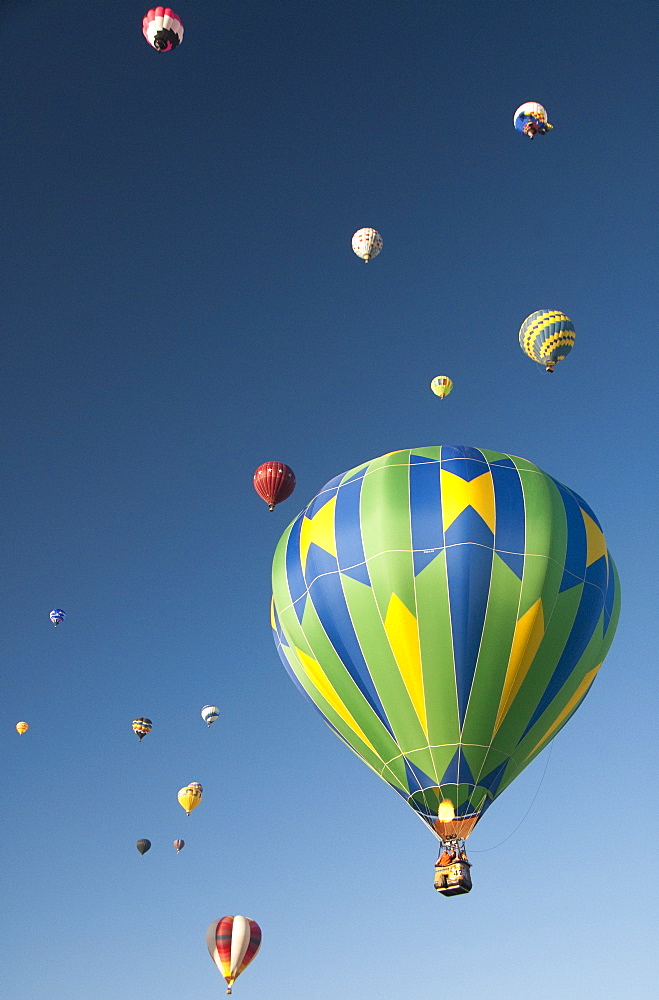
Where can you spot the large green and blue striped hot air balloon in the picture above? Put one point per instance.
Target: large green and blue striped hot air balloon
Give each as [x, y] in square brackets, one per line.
[446, 610]
[547, 337]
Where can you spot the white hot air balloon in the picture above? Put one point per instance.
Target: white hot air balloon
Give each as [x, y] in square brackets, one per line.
[209, 714]
[367, 244]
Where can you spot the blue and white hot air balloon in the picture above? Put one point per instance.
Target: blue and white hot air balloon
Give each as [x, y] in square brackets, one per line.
[210, 713]
[57, 616]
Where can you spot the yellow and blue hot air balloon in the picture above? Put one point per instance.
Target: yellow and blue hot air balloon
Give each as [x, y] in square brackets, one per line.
[446, 609]
[547, 336]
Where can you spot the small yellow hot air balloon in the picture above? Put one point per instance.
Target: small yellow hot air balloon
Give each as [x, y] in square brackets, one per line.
[190, 796]
[21, 727]
[441, 385]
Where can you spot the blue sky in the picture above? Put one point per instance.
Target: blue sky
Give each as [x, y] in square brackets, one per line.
[180, 303]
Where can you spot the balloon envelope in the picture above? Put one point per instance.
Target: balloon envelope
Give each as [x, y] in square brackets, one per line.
[441, 385]
[446, 610]
[367, 243]
[547, 337]
[531, 119]
[143, 846]
[274, 482]
[179, 845]
[21, 727]
[190, 797]
[162, 28]
[209, 714]
[232, 944]
[142, 727]
[57, 616]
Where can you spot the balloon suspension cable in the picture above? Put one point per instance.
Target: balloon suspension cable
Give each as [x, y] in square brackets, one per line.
[484, 850]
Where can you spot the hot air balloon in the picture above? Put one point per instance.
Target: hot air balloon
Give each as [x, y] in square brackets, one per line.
[274, 482]
[162, 29]
[190, 796]
[232, 944]
[143, 846]
[441, 385]
[209, 714]
[531, 119]
[142, 727]
[446, 609]
[367, 244]
[21, 727]
[57, 616]
[547, 336]
[179, 845]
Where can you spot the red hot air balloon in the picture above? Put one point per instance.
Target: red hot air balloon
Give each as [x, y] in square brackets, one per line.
[232, 943]
[274, 482]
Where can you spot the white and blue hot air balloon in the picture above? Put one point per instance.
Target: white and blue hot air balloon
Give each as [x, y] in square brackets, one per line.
[210, 713]
[57, 616]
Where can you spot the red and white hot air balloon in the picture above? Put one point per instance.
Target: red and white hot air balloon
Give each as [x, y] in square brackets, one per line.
[274, 482]
[162, 29]
[367, 244]
[232, 944]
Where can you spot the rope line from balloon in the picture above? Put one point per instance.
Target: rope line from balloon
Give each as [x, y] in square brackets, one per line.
[484, 850]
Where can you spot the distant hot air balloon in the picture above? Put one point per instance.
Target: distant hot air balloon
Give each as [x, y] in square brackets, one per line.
[190, 796]
[274, 482]
[179, 845]
[367, 244]
[531, 119]
[547, 336]
[446, 610]
[142, 727]
[209, 714]
[441, 385]
[162, 29]
[21, 727]
[57, 616]
[232, 944]
[143, 846]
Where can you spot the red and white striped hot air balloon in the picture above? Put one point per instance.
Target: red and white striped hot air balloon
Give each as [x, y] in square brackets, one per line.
[274, 482]
[232, 944]
[162, 29]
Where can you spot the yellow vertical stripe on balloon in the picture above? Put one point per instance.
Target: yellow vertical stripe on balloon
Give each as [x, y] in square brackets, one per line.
[318, 678]
[320, 530]
[594, 539]
[402, 631]
[529, 631]
[457, 494]
[572, 704]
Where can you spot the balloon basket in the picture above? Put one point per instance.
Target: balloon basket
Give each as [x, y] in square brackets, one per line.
[453, 878]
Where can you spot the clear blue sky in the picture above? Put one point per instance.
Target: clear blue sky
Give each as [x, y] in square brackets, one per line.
[179, 302]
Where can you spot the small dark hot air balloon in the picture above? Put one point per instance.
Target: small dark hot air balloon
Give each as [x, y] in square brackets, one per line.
[274, 482]
[179, 845]
[143, 846]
